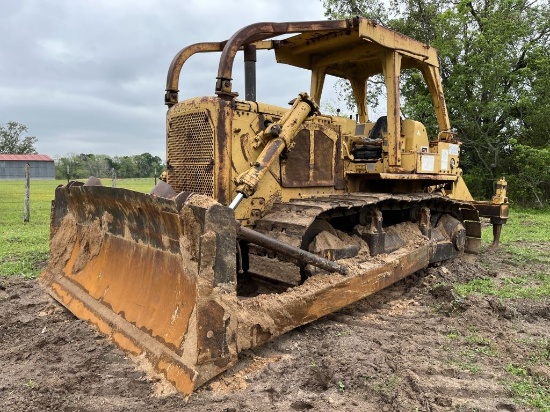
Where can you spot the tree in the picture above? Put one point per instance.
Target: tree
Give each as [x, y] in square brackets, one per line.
[530, 174]
[147, 164]
[82, 166]
[98, 165]
[12, 140]
[494, 64]
[71, 162]
[126, 166]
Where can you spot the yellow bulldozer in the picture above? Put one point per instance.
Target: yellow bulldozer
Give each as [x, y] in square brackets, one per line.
[268, 217]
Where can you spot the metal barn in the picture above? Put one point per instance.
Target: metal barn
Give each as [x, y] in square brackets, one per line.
[12, 166]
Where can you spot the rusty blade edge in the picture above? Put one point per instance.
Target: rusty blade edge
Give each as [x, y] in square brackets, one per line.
[124, 334]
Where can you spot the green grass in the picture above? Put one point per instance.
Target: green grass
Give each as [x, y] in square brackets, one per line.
[24, 247]
[525, 254]
[530, 390]
[467, 348]
[524, 383]
[524, 225]
[524, 246]
[525, 243]
[534, 286]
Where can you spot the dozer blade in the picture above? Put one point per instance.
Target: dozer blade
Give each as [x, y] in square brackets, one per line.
[159, 276]
[129, 263]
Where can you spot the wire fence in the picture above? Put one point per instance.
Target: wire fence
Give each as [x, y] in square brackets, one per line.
[12, 200]
[41, 194]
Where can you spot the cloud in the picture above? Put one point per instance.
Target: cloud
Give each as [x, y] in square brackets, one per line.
[89, 76]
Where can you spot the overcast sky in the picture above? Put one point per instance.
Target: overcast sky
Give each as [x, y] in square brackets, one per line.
[89, 76]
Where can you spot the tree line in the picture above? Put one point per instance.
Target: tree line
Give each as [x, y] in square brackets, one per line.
[82, 166]
[495, 69]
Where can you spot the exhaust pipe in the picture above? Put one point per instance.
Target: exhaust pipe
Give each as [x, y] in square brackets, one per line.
[250, 72]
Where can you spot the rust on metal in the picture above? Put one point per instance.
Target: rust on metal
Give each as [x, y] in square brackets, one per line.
[223, 150]
[172, 78]
[313, 159]
[289, 125]
[180, 308]
[320, 214]
[491, 210]
[297, 253]
[423, 176]
[174, 266]
[263, 318]
[498, 215]
[262, 31]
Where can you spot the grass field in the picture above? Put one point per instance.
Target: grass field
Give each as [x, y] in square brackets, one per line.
[24, 246]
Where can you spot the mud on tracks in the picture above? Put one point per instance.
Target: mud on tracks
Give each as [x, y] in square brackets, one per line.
[414, 346]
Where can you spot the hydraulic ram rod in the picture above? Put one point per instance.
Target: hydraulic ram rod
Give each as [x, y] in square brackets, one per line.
[282, 134]
[295, 252]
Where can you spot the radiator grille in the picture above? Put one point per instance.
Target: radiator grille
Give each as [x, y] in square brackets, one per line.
[191, 153]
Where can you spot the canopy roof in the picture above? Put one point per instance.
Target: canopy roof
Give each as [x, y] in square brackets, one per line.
[356, 49]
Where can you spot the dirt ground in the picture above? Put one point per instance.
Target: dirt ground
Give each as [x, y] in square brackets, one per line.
[415, 346]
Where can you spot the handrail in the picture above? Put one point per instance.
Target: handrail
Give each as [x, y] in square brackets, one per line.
[247, 35]
[262, 31]
[172, 78]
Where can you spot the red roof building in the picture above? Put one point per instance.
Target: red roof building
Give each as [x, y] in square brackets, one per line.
[12, 166]
[26, 157]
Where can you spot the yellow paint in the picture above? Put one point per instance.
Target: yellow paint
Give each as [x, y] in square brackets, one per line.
[179, 377]
[79, 309]
[125, 343]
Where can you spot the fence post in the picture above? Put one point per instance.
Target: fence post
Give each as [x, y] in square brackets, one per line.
[113, 172]
[27, 216]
